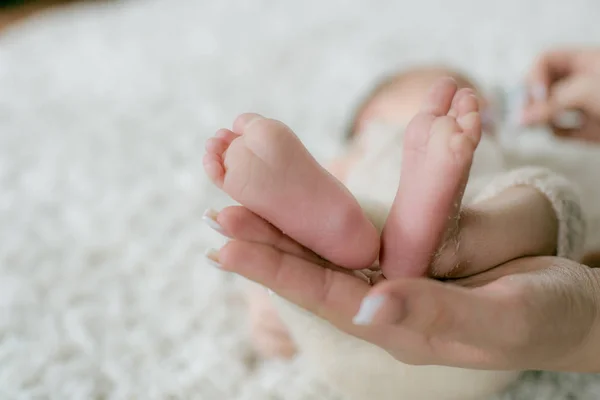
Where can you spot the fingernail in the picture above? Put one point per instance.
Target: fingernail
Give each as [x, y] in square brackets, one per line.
[539, 92]
[569, 119]
[368, 308]
[212, 257]
[210, 218]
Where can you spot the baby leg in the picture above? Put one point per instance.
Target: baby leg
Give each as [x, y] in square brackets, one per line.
[527, 212]
[438, 150]
[265, 167]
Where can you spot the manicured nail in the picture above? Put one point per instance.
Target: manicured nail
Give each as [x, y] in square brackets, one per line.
[539, 92]
[212, 257]
[368, 308]
[210, 218]
[569, 119]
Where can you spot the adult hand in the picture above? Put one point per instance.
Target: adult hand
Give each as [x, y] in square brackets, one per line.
[563, 80]
[531, 313]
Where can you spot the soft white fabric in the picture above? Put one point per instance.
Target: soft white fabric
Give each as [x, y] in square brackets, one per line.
[103, 115]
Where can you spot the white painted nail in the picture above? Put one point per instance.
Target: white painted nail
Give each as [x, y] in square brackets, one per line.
[368, 308]
[539, 92]
[569, 119]
[210, 218]
[212, 257]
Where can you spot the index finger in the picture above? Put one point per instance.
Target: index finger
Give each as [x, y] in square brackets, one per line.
[332, 295]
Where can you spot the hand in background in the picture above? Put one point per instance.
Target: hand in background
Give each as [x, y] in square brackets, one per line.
[563, 80]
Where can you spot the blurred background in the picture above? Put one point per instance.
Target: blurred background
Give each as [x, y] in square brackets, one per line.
[104, 110]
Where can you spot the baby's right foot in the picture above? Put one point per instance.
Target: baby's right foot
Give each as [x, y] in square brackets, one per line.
[262, 165]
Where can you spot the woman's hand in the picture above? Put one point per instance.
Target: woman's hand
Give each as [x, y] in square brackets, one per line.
[531, 313]
[566, 80]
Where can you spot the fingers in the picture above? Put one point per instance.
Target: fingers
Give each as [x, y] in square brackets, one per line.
[578, 92]
[433, 309]
[541, 315]
[330, 294]
[547, 69]
[240, 223]
[470, 328]
[550, 66]
[538, 113]
[237, 222]
[542, 318]
[559, 80]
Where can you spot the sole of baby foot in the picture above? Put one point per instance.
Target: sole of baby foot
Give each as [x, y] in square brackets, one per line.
[264, 166]
[438, 151]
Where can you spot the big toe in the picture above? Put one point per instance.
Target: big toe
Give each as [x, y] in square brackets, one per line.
[243, 120]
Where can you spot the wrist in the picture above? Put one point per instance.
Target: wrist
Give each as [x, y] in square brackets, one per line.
[527, 217]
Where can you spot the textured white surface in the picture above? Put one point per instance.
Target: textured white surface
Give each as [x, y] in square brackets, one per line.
[103, 115]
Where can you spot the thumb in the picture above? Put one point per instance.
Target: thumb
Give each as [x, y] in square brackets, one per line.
[545, 318]
[435, 309]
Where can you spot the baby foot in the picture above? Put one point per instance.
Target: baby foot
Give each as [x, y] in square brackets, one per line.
[264, 166]
[269, 334]
[438, 150]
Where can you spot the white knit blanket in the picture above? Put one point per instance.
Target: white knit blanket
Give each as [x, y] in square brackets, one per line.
[104, 110]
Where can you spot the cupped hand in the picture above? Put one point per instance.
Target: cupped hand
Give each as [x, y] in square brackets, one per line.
[531, 313]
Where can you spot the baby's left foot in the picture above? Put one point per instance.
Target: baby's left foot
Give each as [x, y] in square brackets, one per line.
[438, 150]
[439, 146]
[264, 166]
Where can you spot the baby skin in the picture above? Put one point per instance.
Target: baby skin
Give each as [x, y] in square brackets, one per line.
[263, 165]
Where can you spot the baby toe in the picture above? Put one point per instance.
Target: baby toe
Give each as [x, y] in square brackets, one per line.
[226, 135]
[458, 98]
[213, 166]
[240, 123]
[216, 145]
[467, 104]
[470, 124]
[440, 97]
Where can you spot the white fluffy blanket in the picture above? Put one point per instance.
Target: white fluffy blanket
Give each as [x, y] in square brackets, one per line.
[104, 110]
